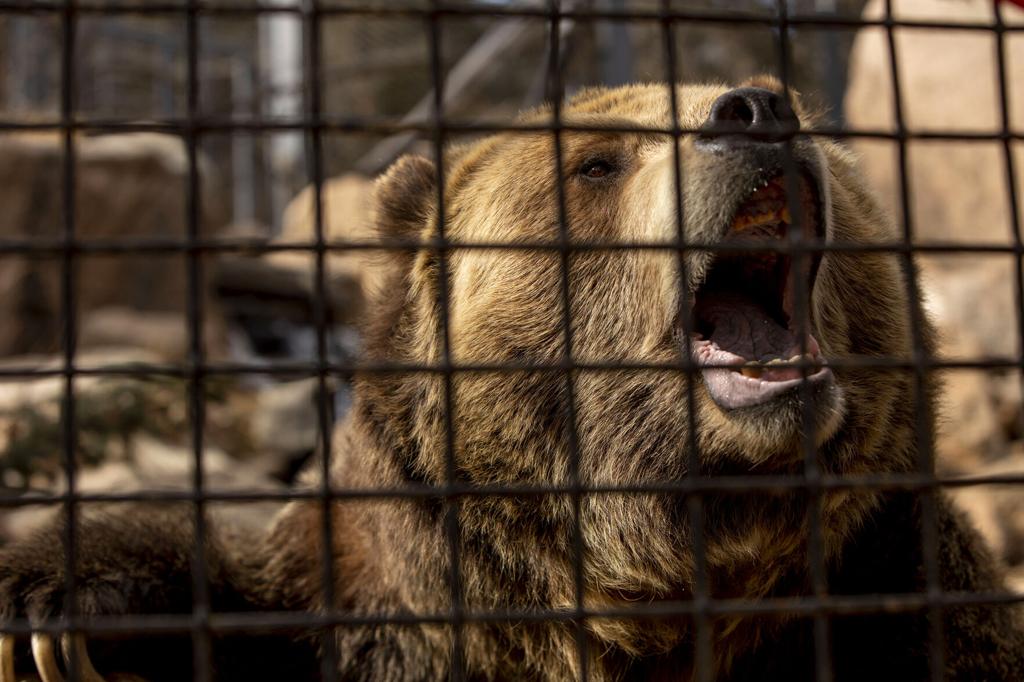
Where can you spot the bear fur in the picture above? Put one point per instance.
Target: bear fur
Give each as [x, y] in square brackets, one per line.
[625, 413]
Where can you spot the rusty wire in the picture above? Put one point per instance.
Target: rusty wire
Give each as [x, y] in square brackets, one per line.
[202, 623]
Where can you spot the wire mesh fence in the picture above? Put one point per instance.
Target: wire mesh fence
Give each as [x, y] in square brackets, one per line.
[314, 119]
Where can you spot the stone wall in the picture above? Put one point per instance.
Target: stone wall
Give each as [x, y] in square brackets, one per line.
[127, 187]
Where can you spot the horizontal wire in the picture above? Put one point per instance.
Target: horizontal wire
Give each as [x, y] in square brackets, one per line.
[341, 368]
[766, 483]
[386, 126]
[228, 622]
[697, 16]
[46, 247]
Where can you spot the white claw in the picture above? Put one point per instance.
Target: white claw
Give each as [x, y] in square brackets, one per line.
[46, 664]
[6, 658]
[76, 642]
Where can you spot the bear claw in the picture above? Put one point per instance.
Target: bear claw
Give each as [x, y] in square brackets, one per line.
[46, 664]
[45, 658]
[6, 658]
[81, 653]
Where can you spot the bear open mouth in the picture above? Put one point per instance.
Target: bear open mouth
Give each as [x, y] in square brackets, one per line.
[748, 332]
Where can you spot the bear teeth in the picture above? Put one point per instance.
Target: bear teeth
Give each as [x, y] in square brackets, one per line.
[806, 358]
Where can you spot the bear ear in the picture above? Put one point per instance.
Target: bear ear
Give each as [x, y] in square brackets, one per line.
[404, 197]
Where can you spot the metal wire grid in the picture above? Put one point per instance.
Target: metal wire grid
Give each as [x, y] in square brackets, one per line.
[202, 623]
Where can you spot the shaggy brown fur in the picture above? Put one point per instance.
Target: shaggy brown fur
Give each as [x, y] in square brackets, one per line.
[392, 558]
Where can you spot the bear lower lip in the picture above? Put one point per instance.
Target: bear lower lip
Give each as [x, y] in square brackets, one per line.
[735, 382]
[745, 337]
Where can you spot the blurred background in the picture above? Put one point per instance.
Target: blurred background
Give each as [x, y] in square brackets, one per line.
[135, 432]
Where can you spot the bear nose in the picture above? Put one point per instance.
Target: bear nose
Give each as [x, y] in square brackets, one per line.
[747, 116]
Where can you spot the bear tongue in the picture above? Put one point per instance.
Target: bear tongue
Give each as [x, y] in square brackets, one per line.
[743, 327]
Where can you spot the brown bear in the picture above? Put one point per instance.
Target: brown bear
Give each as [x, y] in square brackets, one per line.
[571, 375]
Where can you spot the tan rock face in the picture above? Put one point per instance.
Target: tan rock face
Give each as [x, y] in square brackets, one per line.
[949, 82]
[958, 194]
[347, 217]
[127, 187]
[285, 281]
[998, 511]
[973, 304]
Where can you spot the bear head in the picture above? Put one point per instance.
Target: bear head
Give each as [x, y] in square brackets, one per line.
[630, 310]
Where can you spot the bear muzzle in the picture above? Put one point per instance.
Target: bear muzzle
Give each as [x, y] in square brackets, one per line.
[750, 328]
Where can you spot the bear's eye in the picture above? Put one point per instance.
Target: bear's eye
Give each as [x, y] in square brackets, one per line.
[597, 169]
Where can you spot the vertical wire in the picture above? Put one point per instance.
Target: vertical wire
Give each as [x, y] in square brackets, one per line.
[201, 642]
[197, 371]
[554, 96]
[694, 501]
[1011, 185]
[925, 453]
[452, 525]
[69, 337]
[312, 18]
[796, 237]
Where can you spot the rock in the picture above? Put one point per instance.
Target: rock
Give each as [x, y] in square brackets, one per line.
[949, 82]
[970, 430]
[973, 306]
[1015, 579]
[166, 334]
[286, 280]
[285, 418]
[130, 186]
[979, 409]
[347, 216]
[134, 434]
[111, 412]
[998, 511]
[1009, 404]
[159, 467]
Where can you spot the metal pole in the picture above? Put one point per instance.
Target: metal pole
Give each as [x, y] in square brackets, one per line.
[281, 41]
[616, 48]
